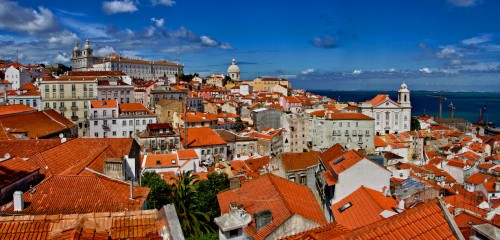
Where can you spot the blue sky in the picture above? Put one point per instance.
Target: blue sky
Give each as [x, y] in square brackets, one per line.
[333, 44]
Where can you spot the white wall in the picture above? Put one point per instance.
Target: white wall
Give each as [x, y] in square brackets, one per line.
[366, 173]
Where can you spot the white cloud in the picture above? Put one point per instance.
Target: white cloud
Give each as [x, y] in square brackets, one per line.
[119, 7]
[150, 31]
[131, 54]
[64, 37]
[225, 46]
[425, 70]
[62, 58]
[358, 71]
[463, 3]
[105, 51]
[307, 71]
[392, 70]
[477, 40]
[26, 20]
[129, 32]
[158, 22]
[169, 3]
[207, 41]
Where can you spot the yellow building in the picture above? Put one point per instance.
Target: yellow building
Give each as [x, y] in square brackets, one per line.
[267, 84]
[70, 97]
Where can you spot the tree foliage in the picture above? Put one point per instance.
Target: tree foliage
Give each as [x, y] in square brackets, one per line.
[160, 193]
[414, 124]
[206, 196]
[194, 222]
[187, 77]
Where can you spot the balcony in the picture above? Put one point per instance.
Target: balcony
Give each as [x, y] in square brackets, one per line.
[62, 109]
[74, 118]
[74, 108]
[105, 127]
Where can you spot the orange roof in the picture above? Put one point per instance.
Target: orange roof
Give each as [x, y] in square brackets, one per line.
[96, 73]
[459, 201]
[37, 124]
[15, 109]
[278, 195]
[187, 154]
[103, 103]
[299, 161]
[366, 206]
[28, 86]
[80, 194]
[425, 221]
[14, 169]
[200, 137]
[379, 142]
[291, 99]
[456, 163]
[134, 107]
[464, 220]
[380, 98]
[331, 153]
[345, 161]
[27, 148]
[161, 160]
[476, 178]
[347, 116]
[328, 231]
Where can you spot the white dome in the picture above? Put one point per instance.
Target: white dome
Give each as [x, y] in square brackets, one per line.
[403, 86]
[87, 44]
[233, 68]
[76, 47]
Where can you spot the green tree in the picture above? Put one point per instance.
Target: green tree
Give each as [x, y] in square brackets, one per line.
[415, 124]
[206, 196]
[161, 192]
[209, 236]
[193, 221]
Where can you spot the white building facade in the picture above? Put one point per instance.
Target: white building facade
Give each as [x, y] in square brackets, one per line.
[390, 116]
[108, 119]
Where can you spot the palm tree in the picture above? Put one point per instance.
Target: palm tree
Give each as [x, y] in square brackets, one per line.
[193, 221]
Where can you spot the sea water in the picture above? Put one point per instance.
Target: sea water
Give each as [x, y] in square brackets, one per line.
[467, 104]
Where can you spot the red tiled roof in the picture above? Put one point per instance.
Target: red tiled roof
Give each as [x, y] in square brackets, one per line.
[28, 86]
[143, 224]
[366, 208]
[347, 116]
[331, 153]
[133, 107]
[103, 103]
[13, 169]
[200, 137]
[37, 124]
[161, 160]
[15, 109]
[465, 221]
[350, 158]
[299, 161]
[426, 221]
[27, 148]
[460, 201]
[96, 73]
[379, 142]
[187, 154]
[328, 231]
[278, 195]
[476, 178]
[80, 194]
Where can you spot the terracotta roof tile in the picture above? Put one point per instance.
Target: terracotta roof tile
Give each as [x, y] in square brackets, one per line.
[347, 116]
[281, 196]
[328, 231]
[199, 137]
[80, 194]
[187, 154]
[299, 161]
[15, 109]
[103, 103]
[366, 206]
[161, 160]
[37, 124]
[426, 221]
[13, 169]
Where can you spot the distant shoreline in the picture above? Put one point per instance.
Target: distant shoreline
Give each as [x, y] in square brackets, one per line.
[383, 90]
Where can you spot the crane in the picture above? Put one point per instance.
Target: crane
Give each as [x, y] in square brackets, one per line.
[452, 108]
[441, 98]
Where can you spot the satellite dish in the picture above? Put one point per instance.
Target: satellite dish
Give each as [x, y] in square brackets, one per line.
[6, 156]
[61, 135]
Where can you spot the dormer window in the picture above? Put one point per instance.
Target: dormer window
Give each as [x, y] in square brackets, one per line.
[158, 162]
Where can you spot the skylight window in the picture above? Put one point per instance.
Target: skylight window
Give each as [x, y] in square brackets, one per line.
[345, 207]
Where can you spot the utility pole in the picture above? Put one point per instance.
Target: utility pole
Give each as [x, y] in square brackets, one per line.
[441, 98]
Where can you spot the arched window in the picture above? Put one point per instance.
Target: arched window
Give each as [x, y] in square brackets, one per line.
[405, 98]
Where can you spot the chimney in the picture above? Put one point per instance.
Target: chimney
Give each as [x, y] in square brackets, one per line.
[18, 201]
[497, 186]
[262, 219]
[131, 189]
[234, 184]
[233, 207]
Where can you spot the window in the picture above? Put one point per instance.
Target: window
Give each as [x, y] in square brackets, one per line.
[131, 122]
[104, 113]
[95, 123]
[144, 122]
[73, 87]
[137, 122]
[303, 180]
[96, 134]
[357, 124]
[46, 88]
[387, 116]
[114, 122]
[348, 124]
[61, 88]
[54, 105]
[124, 133]
[114, 133]
[53, 88]
[124, 123]
[105, 122]
[378, 116]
